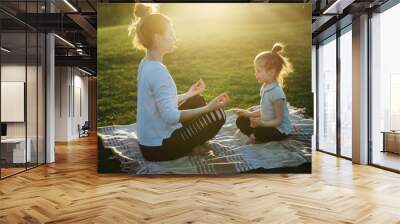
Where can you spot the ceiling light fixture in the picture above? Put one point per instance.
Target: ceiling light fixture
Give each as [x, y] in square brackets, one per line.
[338, 6]
[5, 49]
[86, 72]
[79, 51]
[65, 41]
[70, 5]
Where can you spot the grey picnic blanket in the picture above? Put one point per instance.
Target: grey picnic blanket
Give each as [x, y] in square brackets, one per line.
[231, 155]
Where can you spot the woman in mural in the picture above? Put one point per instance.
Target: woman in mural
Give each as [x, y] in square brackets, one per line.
[165, 130]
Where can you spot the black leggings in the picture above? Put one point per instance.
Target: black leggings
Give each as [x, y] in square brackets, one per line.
[193, 133]
[263, 134]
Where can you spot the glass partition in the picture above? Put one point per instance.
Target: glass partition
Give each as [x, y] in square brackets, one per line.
[14, 151]
[22, 91]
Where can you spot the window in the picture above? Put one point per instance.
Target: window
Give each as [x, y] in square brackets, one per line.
[346, 93]
[327, 96]
[385, 84]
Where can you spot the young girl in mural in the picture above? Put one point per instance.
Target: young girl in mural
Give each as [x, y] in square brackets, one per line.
[165, 130]
[271, 122]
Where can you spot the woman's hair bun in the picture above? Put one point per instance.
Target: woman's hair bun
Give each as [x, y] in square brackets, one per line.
[277, 48]
[141, 10]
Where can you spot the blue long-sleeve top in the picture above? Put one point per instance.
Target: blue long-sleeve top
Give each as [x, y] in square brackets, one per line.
[157, 103]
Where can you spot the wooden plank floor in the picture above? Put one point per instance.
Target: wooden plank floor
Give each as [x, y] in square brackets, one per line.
[71, 191]
[10, 171]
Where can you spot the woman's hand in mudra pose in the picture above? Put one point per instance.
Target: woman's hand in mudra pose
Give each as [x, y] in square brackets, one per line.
[197, 88]
[218, 102]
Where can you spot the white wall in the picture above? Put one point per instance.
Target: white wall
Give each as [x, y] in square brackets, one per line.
[70, 84]
[62, 81]
[81, 89]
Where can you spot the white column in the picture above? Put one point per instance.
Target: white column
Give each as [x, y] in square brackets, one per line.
[50, 110]
[50, 94]
[360, 90]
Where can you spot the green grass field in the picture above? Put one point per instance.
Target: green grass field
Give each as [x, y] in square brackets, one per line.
[221, 53]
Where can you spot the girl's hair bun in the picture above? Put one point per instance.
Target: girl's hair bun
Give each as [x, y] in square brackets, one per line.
[277, 48]
[141, 10]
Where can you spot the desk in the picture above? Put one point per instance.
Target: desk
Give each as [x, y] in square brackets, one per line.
[391, 141]
[13, 150]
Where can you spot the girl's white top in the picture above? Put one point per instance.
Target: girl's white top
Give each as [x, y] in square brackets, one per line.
[270, 93]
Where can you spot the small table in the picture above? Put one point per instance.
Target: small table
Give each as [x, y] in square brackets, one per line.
[391, 141]
[13, 150]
